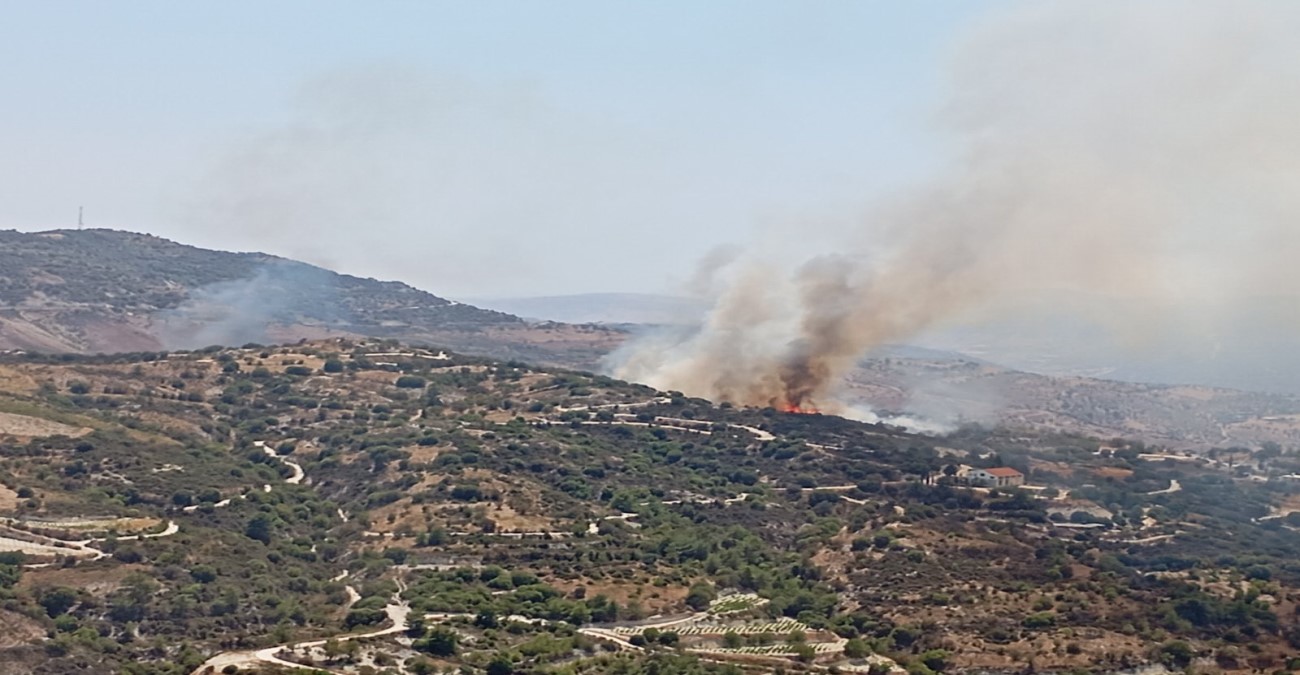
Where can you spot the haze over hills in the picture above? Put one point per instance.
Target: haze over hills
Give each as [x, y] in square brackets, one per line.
[1073, 335]
[1246, 344]
[92, 291]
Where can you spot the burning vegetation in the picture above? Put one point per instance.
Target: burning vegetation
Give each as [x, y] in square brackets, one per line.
[1125, 197]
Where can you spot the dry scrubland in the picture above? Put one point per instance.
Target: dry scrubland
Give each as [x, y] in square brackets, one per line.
[368, 507]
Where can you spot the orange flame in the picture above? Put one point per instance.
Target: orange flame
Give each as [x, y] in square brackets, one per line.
[798, 410]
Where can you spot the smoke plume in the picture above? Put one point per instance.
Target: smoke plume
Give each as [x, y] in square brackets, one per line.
[248, 310]
[1138, 150]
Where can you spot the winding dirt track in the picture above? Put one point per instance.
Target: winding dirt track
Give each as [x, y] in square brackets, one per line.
[398, 614]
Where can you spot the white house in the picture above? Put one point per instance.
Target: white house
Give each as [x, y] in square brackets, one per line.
[1002, 476]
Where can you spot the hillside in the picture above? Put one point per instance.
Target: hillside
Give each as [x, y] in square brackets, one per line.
[367, 507]
[88, 291]
[954, 390]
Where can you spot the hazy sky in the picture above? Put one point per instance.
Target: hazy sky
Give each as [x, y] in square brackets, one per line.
[469, 148]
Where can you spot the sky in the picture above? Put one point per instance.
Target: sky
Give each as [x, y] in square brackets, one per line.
[485, 149]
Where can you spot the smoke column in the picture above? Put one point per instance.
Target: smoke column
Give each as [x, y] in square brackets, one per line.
[1144, 150]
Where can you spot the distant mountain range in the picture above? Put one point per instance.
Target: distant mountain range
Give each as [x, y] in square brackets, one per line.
[1248, 344]
[606, 308]
[97, 290]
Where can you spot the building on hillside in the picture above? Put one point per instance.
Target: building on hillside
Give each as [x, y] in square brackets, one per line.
[1002, 476]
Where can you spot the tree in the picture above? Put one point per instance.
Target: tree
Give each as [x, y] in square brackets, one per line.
[10, 573]
[333, 366]
[410, 382]
[364, 616]
[57, 600]
[1177, 653]
[466, 493]
[486, 619]
[259, 528]
[501, 664]
[700, 595]
[935, 659]
[441, 641]
[857, 648]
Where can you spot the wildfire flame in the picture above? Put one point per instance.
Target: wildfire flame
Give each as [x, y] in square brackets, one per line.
[797, 409]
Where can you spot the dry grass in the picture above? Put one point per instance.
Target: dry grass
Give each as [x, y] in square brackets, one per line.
[84, 525]
[423, 453]
[653, 600]
[26, 426]
[16, 629]
[509, 520]
[98, 582]
[15, 381]
[8, 499]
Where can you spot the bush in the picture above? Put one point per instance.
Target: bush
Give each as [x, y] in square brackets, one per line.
[1039, 621]
[700, 596]
[1177, 653]
[365, 617]
[857, 648]
[935, 659]
[440, 641]
[466, 493]
[410, 382]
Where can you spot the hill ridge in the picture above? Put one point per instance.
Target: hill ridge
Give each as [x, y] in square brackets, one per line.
[106, 290]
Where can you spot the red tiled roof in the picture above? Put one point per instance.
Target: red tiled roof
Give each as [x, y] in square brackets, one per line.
[1003, 472]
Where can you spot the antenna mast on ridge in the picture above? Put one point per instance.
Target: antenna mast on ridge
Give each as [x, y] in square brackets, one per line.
[80, 212]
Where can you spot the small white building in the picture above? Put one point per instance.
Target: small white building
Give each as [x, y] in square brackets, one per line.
[1002, 476]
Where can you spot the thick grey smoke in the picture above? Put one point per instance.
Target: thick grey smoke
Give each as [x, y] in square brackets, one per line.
[1144, 150]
